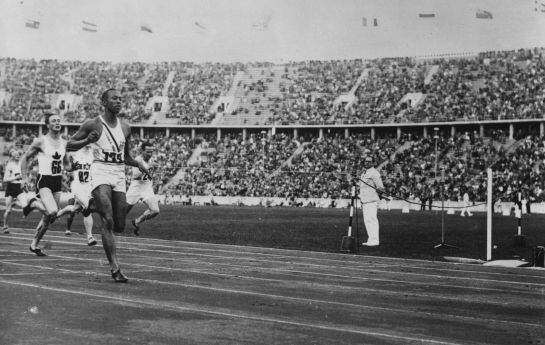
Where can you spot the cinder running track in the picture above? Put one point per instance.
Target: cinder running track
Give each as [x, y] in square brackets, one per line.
[199, 293]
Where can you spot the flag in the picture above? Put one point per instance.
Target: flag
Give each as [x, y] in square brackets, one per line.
[88, 26]
[200, 26]
[262, 24]
[482, 14]
[363, 21]
[33, 24]
[146, 28]
[426, 15]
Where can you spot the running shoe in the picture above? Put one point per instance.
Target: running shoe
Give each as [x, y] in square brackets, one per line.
[37, 251]
[91, 241]
[136, 228]
[27, 209]
[119, 277]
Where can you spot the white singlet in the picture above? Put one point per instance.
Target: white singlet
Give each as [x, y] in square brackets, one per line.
[141, 187]
[51, 156]
[108, 166]
[11, 171]
[81, 183]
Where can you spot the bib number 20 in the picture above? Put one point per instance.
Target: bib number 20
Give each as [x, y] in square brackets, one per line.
[113, 157]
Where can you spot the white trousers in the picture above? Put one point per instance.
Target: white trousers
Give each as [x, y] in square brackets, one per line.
[371, 221]
[466, 210]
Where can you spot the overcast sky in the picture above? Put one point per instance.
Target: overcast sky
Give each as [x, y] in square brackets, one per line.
[297, 29]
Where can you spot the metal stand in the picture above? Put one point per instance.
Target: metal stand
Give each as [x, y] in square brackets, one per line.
[348, 243]
[443, 244]
[519, 241]
[358, 242]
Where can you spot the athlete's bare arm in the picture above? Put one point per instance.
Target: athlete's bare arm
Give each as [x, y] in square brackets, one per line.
[67, 163]
[88, 132]
[32, 151]
[128, 159]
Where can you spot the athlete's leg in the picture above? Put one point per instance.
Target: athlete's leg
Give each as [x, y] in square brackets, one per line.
[88, 224]
[129, 208]
[119, 205]
[70, 208]
[69, 222]
[49, 201]
[102, 195]
[9, 204]
[151, 212]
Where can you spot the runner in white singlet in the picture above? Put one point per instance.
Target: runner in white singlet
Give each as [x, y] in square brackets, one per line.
[50, 149]
[109, 139]
[141, 189]
[80, 163]
[14, 193]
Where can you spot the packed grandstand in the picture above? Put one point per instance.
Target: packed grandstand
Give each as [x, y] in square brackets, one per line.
[301, 129]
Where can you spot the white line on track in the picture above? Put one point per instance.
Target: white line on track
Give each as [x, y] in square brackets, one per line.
[154, 304]
[241, 276]
[344, 263]
[411, 313]
[445, 284]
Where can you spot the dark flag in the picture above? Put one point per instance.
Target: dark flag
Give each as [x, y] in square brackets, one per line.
[146, 28]
[482, 14]
[88, 26]
[32, 24]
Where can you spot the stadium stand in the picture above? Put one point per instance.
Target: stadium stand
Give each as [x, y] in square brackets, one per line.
[329, 114]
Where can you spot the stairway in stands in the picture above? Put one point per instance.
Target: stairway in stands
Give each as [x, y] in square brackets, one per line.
[258, 112]
[161, 116]
[288, 161]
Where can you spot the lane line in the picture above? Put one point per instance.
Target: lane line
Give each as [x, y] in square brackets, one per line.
[306, 283]
[446, 284]
[343, 261]
[306, 301]
[154, 304]
[362, 269]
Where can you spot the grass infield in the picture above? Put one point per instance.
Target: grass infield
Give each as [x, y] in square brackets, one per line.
[412, 235]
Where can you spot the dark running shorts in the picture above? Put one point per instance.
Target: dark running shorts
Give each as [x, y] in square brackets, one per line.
[13, 189]
[54, 183]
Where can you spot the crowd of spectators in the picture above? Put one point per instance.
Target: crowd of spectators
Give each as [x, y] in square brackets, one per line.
[263, 165]
[29, 83]
[236, 166]
[489, 86]
[195, 88]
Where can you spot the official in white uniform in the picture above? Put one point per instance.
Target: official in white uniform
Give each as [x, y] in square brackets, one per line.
[370, 185]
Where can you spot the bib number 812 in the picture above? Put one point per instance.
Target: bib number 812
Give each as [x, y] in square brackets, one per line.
[113, 157]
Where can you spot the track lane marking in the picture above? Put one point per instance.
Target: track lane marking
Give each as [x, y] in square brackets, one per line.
[154, 304]
[302, 299]
[343, 261]
[446, 284]
[122, 239]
